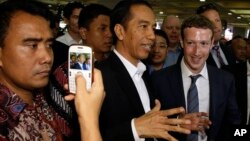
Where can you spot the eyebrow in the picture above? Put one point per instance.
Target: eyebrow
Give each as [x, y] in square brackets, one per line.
[147, 22]
[37, 40]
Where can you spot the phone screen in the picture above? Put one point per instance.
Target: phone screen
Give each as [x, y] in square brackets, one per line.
[80, 60]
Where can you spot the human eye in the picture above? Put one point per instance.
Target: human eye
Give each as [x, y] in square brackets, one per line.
[32, 44]
[204, 44]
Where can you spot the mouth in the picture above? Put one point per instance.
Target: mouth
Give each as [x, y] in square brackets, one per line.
[44, 73]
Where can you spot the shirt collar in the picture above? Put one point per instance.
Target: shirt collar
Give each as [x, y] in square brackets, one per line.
[11, 103]
[132, 70]
[186, 72]
[248, 67]
[70, 40]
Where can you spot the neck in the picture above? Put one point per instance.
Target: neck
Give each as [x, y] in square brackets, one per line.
[172, 46]
[125, 53]
[75, 36]
[99, 56]
[157, 66]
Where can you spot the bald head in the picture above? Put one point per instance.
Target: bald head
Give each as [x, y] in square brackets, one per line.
[171, 26]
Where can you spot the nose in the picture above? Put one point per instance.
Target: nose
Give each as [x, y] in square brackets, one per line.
[108, 33]
[151, 34]
[46, 55]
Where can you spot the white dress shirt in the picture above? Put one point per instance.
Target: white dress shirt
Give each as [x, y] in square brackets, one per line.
[136, 73]
[214, 55]
[67, 39]
[248, 91]
[202, 85]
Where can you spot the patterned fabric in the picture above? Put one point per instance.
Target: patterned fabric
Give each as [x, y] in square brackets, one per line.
[20, 121]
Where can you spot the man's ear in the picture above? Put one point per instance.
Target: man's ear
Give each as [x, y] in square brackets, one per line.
[181, 42]
[83, 33]
[119, 31]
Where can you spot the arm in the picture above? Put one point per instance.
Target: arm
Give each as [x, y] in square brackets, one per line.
[88, 105]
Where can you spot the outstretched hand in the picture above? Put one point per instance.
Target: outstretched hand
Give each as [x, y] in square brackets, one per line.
[156, 124]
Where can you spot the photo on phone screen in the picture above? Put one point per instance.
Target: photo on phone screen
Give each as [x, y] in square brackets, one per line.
[80, 60]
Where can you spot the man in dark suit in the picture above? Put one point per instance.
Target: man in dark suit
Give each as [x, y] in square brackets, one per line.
[122, 116]
[219, 55]
[241, 72]
[215, 92]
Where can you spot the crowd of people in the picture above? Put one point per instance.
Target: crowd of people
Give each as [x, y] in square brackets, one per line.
[175, 83]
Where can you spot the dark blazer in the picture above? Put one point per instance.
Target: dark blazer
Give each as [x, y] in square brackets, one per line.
[240, 74]
[77, 66]
[223, 110]
[122, 102]
[228, 54]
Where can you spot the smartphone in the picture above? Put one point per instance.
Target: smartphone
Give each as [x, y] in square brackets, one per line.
[80, 59]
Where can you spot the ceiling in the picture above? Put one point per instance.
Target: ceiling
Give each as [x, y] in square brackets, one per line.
[182, 8]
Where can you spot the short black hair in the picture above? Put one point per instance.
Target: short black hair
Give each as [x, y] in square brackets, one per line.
[162, 34]
[11, 7]
[206, 7]
[196, 21]
[91, 12]
[68, 9]
[121, 13]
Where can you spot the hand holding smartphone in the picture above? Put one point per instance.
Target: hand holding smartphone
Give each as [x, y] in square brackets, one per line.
[80, 60]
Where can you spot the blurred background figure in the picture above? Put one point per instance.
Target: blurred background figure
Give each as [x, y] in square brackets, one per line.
[171, 26]
[71, 14]
[158, 54]
[239, 49]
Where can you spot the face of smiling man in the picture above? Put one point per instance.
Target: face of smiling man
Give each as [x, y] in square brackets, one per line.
[196, 44]
[136, 40]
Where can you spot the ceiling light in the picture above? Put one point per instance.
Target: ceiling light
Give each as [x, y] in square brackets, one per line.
[202, 0]
[161, 12]
[176, 16]
[238, 17]
[230, 13]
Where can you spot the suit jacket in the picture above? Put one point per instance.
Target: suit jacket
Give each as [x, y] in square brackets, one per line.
[240, 74]
[122, 102]
[223, 110]
[228, 54]
[77, 66]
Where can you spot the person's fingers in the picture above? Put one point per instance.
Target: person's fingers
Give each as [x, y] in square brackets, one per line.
[66, 87]
[69, 97]
[178, 129]
[173, 111]
[98, 82]
[80, 84]
[157, 106]
[172, 121]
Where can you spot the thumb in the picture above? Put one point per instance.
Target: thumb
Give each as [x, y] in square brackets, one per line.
[157, 106]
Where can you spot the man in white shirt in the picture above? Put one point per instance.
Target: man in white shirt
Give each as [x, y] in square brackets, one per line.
[71, 14]
[219, 55]
[126, 114]
[213, 93]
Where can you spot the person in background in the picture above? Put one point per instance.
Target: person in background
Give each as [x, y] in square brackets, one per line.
[71, 14]
[241, 72]
[158, 52]
[239, 48]
[171, 26]
[94, 24]
[126, 114]
[26, 58]
[209, 101]
[219, 55]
